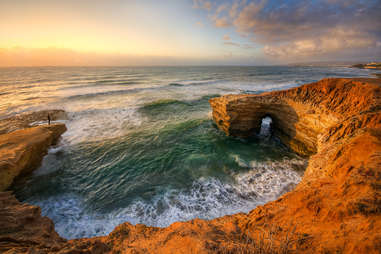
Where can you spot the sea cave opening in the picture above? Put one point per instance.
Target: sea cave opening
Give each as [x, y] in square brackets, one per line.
[266, 127]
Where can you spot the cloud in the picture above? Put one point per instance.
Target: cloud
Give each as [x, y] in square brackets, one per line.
[247, 46]
[221, 8]
[202, 4]
[247, 18]
[226, 37]
[228, 55]
[235, 44]
[221, 22]
[335, 40]
[301, 28]
[207, 5]
[200, 24]
[230, 43]
[234, 10]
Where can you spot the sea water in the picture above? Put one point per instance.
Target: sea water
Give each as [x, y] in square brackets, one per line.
[141, 146]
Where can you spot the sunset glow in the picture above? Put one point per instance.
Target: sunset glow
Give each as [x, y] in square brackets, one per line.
[192, 32]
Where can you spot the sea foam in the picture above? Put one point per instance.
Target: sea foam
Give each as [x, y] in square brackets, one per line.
[207, 198]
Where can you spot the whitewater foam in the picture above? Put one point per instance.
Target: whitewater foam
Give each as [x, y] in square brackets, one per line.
[99, 124]
[208, 198]
[98, 177]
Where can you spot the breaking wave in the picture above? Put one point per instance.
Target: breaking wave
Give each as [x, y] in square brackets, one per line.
[207, 198]
[141, 146]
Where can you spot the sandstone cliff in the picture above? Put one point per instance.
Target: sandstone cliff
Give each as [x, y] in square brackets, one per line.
[300, 115]
[22, 151]
[335, 209]
[337, 206]
[22, 228]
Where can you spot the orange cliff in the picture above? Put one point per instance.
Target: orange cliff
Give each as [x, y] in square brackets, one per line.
[21, 151]
[336, 208]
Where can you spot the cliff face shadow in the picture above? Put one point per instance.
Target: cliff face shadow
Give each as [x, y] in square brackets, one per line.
[285, 121]
[286, 125]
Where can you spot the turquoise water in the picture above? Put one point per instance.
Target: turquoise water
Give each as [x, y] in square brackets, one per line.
[141, 146]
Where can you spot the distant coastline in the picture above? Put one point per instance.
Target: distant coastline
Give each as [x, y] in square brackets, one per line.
[372, 65]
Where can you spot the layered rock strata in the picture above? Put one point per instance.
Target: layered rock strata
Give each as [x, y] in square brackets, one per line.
[301, 116]
[22, 151]
[336, 208]
[22, 228]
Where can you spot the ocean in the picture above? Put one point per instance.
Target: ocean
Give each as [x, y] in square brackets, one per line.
[141, 146]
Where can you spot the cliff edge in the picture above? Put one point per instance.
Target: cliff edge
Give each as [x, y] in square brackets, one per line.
[303, 117]
[336, 208]
[22, 151]
[22, 228]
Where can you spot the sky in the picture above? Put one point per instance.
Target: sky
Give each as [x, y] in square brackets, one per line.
[187, 32]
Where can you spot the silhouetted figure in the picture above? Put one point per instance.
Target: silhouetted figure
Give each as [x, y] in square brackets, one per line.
[49, 119]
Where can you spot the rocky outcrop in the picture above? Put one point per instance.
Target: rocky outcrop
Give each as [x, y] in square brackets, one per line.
[25, 120]
[23, 229]
[373, 66]
[300, 115]
[22, 151]
[336, 208]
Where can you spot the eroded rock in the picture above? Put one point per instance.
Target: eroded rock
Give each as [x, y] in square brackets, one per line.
[22, 151]
[300, 114]
[336, 208]
[24, 230]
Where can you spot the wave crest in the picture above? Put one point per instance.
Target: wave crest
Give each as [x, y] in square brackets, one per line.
[208, 198]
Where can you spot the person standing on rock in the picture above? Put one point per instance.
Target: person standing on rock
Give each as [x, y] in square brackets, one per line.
[49, 119]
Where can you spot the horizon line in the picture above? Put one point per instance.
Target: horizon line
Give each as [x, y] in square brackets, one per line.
[191, 65]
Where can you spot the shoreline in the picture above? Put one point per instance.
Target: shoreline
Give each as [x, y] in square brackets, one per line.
[334, 121]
